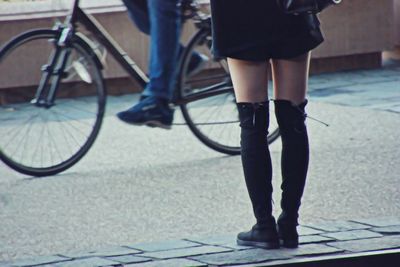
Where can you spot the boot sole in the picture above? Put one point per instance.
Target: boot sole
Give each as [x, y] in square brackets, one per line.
[266, 245]
[152, 124]
[289, 243]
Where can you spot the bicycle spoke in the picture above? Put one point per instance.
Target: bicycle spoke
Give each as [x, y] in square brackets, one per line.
[35, 151]
[67, 130]
[212, 89]
[64, 131]
[15, 135]
[208, 78]
[207, 102]
[213, 115]
[51, 138]
[83, 122]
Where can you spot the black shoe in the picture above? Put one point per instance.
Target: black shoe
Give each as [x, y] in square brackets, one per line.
[264, 236]
[151, 111]
[288, 236]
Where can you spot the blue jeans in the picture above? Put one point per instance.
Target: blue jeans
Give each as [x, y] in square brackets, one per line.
[161, 19]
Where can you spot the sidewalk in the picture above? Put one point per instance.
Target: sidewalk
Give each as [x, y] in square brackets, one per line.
[376, 89]
[365, 242]
[123, 199]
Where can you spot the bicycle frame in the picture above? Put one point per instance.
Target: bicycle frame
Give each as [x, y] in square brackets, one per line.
[78, 15]
[93, 26]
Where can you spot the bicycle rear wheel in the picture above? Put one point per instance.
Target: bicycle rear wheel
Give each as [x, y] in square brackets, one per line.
[208, 101]
[42, 139]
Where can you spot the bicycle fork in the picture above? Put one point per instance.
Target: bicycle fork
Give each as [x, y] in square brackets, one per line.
[54, 70]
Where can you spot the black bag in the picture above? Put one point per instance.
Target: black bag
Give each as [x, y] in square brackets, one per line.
[296, 7]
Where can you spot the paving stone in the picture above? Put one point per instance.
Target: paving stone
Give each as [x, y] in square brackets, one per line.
[336, 225]
[347, 99]
[169, 263]
[185, 252]
[164, 245]
[387, 230]
[380, 221]
[336, 260]
[228, 240]
[243, 257]
[395, 108]
[325, 92]
[319, 82]
[262, 264]
[88, 262]
[314, 239]
[39, 260]
[386, 242]
[103, 252]
[304, 230]
[214, 240]
[384, 106]
[372, 79]
[351, 235]
[235, 246]
[312, 249]
[359, 77]
[128, 259]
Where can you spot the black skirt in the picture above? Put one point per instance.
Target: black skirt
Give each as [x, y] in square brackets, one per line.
[257, 30]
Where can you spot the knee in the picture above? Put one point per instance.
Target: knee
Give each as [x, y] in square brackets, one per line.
[290, 117]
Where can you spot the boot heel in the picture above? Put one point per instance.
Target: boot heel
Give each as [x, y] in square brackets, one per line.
[289, 243]
[288, 236]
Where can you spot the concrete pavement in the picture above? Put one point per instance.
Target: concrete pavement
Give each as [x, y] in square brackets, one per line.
[143, 185]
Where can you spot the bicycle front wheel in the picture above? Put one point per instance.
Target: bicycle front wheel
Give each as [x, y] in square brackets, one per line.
[208, 101]
[44, 135]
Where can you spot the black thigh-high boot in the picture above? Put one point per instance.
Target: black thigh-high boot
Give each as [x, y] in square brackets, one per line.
[257, 167]
[294, 164]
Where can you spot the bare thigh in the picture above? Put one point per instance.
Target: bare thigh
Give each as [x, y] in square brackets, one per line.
[290, 78]
[250, 80]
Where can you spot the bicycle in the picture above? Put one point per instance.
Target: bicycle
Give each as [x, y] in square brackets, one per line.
[49, 127]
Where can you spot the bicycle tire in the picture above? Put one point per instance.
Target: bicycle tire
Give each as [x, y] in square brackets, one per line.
[56, 137]
[203, 39]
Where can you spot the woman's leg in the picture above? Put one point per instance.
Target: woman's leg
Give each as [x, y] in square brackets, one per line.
[250, 80]
[291, 78]
[290, 86]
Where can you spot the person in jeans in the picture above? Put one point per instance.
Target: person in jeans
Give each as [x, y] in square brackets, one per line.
[251, 34]
[162, 20]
